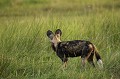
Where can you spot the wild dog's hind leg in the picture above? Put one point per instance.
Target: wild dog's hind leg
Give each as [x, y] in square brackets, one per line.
[83, 61]
[84, 55]
[90, 55]
[87, 54]
[90, 59]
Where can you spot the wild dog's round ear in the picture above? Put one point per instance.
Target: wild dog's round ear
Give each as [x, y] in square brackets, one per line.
[58, 31]
[50, 34]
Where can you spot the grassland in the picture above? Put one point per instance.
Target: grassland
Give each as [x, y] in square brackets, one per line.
[25, 51]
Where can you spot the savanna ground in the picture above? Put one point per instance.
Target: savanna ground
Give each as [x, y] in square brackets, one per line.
[25, 51]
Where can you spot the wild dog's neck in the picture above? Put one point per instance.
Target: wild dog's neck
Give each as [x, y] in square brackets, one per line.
[55, 44]
[55, 41]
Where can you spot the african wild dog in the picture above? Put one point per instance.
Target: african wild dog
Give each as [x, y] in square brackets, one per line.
[74, 48]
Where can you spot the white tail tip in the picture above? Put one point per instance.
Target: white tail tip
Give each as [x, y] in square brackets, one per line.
[100, 63]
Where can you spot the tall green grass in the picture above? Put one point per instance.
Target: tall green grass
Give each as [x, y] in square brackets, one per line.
[25, 51]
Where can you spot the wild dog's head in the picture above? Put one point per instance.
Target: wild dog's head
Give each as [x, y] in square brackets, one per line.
[54, 38]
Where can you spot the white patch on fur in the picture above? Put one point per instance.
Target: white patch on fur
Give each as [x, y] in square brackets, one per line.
[55, 40]
[100, 63]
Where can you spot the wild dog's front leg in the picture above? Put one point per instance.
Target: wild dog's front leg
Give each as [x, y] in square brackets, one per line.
[64, 60]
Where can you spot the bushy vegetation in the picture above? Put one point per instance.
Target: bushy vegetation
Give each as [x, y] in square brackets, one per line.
[25, 51]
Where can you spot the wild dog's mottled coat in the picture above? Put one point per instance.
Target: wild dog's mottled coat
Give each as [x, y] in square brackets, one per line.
[74, 48]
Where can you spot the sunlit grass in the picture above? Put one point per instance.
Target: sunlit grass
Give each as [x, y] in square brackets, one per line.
[25, 50]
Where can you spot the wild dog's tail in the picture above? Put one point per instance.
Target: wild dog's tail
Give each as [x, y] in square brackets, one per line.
[98, 57]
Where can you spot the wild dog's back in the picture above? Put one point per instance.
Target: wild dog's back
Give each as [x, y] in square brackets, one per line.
[73, 48]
